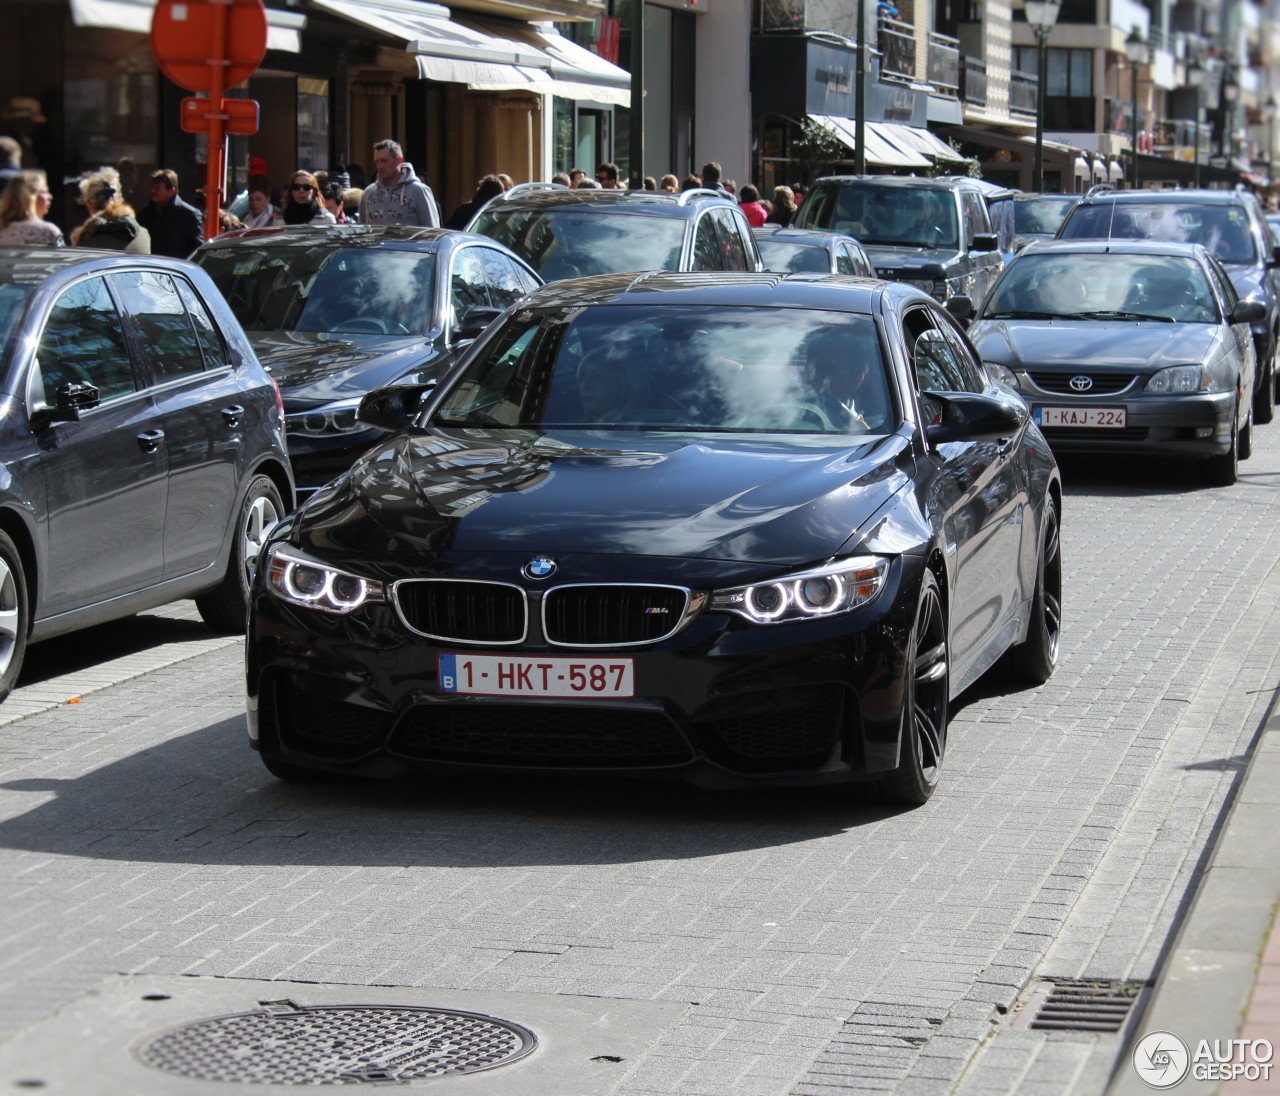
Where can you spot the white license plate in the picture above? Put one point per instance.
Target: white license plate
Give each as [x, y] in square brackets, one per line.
[505, 675]
[1097, 418]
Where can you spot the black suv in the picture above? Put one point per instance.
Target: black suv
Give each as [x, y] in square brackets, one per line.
[934, 234]
[1230, 223]
[565, 233]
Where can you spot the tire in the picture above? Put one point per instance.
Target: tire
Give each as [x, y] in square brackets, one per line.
[1222, 470]
[1245, 445]
[225, 608]
[924, 710]
[14, 620]
[1034, 659]
[1264, 394]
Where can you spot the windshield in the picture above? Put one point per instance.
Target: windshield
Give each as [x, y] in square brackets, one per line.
[1102, 286]
[790, 258]
[572, 243]
[1223, 229]
[13, 299]
[677, 369]
[907, 217]
[1041, 216]
[323, 289]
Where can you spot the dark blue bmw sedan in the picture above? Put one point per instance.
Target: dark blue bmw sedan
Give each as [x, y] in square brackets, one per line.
[739, 529]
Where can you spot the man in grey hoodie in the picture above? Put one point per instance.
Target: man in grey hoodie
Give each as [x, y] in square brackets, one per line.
[397, 196]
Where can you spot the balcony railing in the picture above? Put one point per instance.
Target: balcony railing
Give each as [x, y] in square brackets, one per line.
[897, 44]
[944, 64]
[973, 86]
[1023, 88]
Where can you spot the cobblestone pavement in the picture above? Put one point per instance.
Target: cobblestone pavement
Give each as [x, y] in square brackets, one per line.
[815, 944]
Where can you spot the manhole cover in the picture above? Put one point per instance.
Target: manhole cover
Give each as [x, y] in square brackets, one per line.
[287, 1044]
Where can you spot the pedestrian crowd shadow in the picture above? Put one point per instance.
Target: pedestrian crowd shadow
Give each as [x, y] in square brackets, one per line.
[205, 798]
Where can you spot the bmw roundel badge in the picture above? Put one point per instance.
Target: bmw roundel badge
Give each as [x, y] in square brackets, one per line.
[540, 567]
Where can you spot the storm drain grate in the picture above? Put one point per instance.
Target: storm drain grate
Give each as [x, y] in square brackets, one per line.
[1079, 1004]
[287, 1044]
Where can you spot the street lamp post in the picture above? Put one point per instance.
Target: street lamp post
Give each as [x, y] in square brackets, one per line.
[1135, 48]
[1269, 111]
[1230, 93]
[1197, 74]
[1041, 16]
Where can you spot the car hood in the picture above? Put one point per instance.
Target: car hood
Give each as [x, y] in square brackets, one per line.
[897, 257]
[758, 499]
[315, 368]
[1091, 344]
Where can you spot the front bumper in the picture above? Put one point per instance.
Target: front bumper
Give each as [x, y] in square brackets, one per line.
[721, 703]
[1197, 426]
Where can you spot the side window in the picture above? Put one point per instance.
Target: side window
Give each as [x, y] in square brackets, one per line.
[735, 251]
[706, 247]
[467, 286]
[166, 337]
[506, 286]
[976, 218]
[83, 341]
[972, 372]
[844, 260]
[207, 333]
[1226, 287]
[935, 360]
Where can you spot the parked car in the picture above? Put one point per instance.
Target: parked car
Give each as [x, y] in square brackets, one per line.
[1230, 223]
[791, 250]
[565, 233]
[1029, 217]
[144, 452]
[335, 311]
[701, 526]
[934, 234]
[1127, 346]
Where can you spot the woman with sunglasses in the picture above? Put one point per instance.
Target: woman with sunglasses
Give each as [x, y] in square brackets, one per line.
[302, 206]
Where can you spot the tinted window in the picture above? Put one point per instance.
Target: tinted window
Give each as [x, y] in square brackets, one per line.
[706, 247]
[789, 257]
[467, 286]
[167, 340]
[684, 369]
[568, 243]
[872, 214]
[734, 249]
[1222, 228]
[83, 341]
[976, 218]
[844, 261]
[1040, 216]
[507, 282]
[215, 350]
[13, 299]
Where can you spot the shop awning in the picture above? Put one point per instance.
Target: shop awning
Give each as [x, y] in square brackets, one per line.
[518, 58]
[880, 151]
[135, 15]
[919, 140]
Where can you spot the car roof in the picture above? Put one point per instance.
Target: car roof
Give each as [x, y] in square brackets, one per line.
[1171, 248]
[1168, 197]
[659, 203]
[32, 265]
[834, 292]
[806, 237]
[907, 182]
[340, 236]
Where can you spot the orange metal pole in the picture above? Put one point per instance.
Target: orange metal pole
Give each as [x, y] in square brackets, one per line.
[218, 62]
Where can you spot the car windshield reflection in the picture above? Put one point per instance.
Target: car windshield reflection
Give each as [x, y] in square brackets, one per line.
[678, 369]
[1103, 286]
[1223, 229]
[794, 258]
[347, 290]
[1042, 215]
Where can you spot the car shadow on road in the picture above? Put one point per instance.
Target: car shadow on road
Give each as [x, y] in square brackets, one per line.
[90, 647]
[205, 798]
[1124, 475]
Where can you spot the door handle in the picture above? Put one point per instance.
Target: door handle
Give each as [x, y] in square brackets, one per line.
[232, 414]
[149, 440]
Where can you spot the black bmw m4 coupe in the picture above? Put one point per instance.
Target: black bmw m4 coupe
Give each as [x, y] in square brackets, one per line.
[738, 529]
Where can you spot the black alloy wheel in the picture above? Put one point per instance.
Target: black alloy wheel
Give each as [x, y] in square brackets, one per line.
[13, 615]
[1034, 659]
[225, 608]
[924, 715]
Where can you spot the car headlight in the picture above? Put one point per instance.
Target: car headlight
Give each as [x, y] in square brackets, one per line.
[300, 580]
[936, 289]
[1003, 374]
[1179, 379]
[324, 422]
[838, 587]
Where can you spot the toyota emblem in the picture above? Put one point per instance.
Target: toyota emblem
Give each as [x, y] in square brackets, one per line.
[1081, 383]
[540, 567]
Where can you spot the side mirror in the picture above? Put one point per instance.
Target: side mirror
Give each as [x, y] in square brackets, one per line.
[73, 397]
[474, 321]
[394, 408]
[985, 241]
[1275, 255]
[961, 307]
[969, 416]
[1249, 312]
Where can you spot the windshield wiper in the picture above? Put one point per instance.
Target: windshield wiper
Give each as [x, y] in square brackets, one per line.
[1121, 315]
[1023, 314]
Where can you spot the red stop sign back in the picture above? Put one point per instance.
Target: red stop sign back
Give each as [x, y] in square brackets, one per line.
[182, 40]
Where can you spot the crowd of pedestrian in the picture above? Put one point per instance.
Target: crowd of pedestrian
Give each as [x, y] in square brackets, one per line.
[397, 195]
